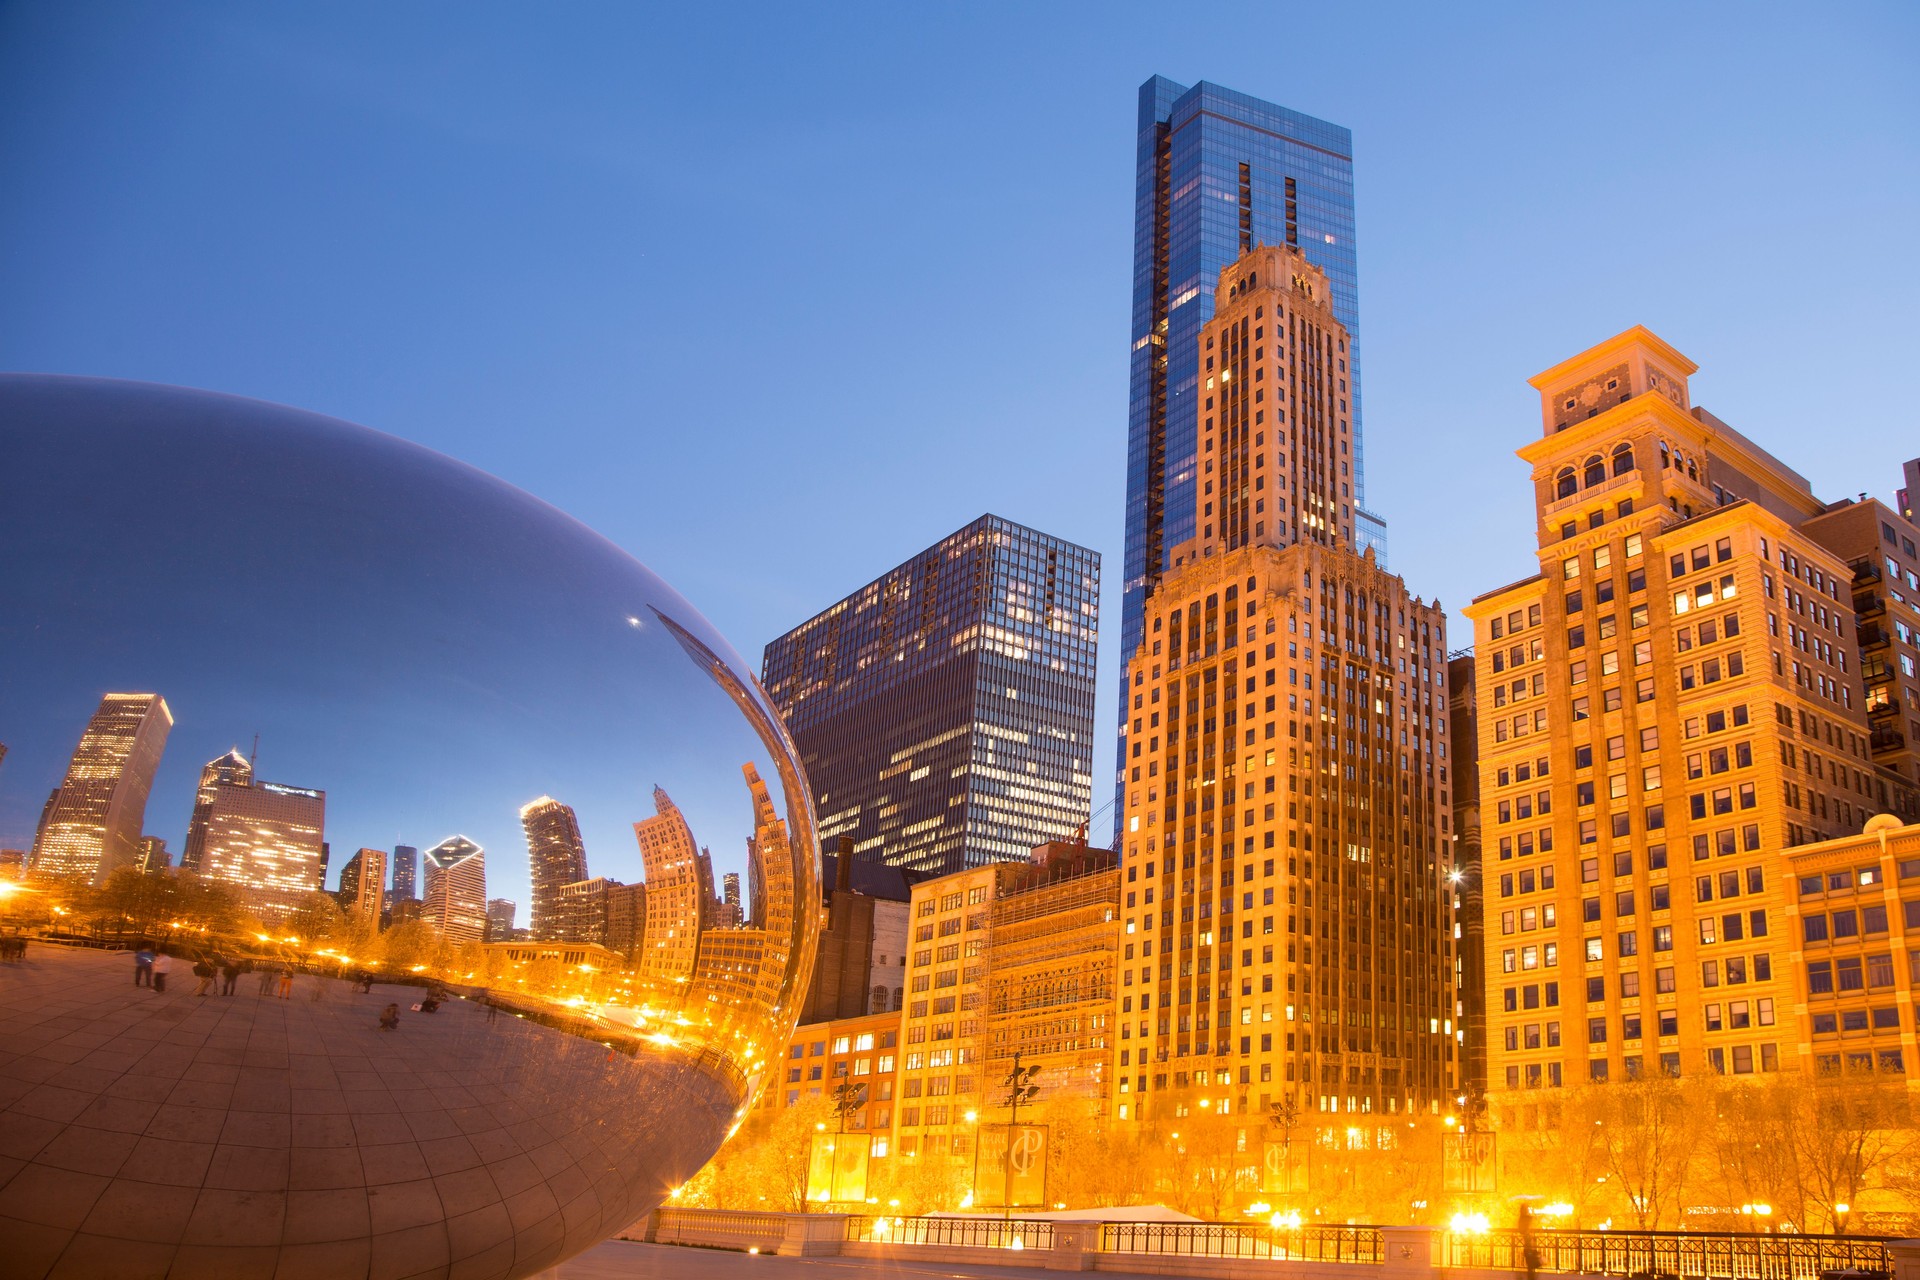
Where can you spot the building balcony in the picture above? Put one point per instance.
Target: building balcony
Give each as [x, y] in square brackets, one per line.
[1885, 740]
[1874, 636]
[1866, 572]
[1869, 608]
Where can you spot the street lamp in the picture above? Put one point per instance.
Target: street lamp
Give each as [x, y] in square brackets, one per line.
[1020, 1088]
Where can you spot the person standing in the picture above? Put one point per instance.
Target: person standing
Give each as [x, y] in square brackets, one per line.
[390, 1018]
[1529, 1252]
[229, 974]
[267, 976]
[162, 964]
[143, 966]
[203, 970]
[286, 982]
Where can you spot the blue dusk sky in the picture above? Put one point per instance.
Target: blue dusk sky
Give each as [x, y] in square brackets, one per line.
[775, 296]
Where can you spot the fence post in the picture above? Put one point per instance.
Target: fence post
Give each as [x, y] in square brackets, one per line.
[813, 1235]
[1412, 1253]
[1906, 1259]
[1074, 1246]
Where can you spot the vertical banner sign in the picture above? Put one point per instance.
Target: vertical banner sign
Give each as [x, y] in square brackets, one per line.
[1468, 1162]
[837, 1168]
[1010, 1167]
[1282, 1170]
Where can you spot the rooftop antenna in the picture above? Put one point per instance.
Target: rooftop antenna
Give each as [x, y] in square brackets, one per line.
[254, 759]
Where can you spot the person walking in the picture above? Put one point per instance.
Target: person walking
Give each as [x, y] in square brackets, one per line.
[203, 970]
[229, 974]
[390, 1018]
[162, 964]
[1529, 1252]
[143, 966]
[267, 975]
[286, 982]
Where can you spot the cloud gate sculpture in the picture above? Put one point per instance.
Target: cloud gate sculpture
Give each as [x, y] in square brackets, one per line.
[396, 878]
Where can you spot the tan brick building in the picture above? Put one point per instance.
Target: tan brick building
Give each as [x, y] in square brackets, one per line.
[1288, 919]
[1671, 701]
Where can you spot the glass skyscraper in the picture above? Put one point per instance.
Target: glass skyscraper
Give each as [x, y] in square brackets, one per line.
[1218, 173]
[944, 711]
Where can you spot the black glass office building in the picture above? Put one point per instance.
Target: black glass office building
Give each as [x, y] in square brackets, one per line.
[1218, 172]
[944, 711]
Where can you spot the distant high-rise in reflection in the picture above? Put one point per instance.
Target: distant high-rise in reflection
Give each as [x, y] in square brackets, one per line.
[361, 882]
[731, 915]
[153, 854]
[406, 873]
[579, 913]
[231, 769]
[500, 919]
[92, 824]
[456, 901]
[627, 919]
[555, 858]
[672, 867]
[265, 839]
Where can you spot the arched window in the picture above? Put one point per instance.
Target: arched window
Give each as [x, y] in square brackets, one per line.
[1692, 474]
[1566, 484]
[1665, 460]
[1622, 459]
[1595, 472]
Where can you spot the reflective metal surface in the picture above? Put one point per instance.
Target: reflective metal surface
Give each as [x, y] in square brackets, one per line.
[307, 656]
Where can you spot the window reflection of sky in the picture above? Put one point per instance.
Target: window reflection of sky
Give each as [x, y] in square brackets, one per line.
[429, 645]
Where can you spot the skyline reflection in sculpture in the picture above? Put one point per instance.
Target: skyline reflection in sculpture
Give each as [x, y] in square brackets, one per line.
[432, 661]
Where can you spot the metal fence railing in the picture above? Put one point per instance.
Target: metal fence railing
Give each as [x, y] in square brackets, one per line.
[1235, 1240]
[965, 1233]
[1654, 1255]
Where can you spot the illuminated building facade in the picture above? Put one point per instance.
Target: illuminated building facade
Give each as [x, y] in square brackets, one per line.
[1216, 173]
[1053, 950]
[556, 857]
[942, 1036]
[266, 840]
[231, 770]
[822, 1056]
[1853, 925]
[92, 824]
[944, 711]
[860, 967]
[456, 885]
[669, 857]
[1004, 958]
[626, 919]
[500, 919]
[1287, 843]
[578, 912]
[362, 882]
[1879, 545]
[1668, 705]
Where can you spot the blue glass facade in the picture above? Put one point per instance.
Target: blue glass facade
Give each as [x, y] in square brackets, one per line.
[1218, 172]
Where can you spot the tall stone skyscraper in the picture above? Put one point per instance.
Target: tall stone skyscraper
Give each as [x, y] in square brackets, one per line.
[556, 857]
[1218, 172]
[1286, 841]
[231, 769]
[456, 898]
[92, 824]
[944, 711]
